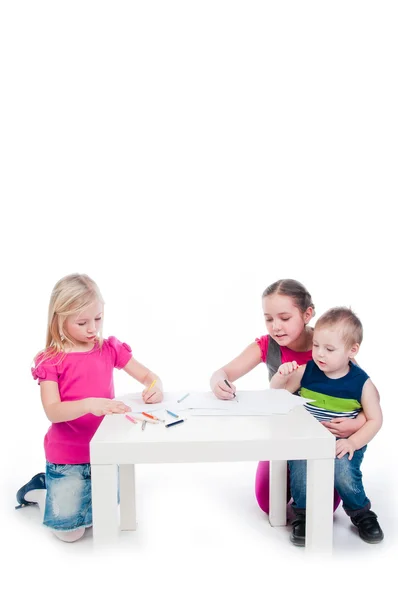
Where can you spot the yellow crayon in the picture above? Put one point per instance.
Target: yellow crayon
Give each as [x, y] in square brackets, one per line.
[152, 384]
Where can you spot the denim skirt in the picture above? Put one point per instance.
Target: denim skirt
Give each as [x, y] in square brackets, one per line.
[68, 499]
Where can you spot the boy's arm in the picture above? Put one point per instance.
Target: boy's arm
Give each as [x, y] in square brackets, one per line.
[288, 377]
[370, 401]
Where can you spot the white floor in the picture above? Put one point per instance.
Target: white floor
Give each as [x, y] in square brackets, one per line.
[200, 532]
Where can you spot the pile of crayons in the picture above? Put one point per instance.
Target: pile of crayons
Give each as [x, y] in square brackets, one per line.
[149, 418]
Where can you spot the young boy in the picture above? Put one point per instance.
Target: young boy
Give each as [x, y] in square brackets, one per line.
[336, 387]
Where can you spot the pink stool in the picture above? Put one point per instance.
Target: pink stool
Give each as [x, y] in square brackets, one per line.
[262, 488]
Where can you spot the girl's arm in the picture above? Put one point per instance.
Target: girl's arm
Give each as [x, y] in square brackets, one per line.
[370, 401]
[344, 427]
[239, 366]
[288, 377]
[59, 412]
[152, 393]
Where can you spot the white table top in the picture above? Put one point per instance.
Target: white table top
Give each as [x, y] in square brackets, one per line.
[206, 438]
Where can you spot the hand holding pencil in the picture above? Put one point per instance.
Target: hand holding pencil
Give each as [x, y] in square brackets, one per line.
[153, 393]
[224, 390]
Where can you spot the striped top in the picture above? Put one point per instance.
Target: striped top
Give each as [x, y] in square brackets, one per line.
[332, 398]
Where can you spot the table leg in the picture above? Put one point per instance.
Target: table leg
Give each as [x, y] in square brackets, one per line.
[104, 499]
[127, 498]
[277, 493]
[319, 513]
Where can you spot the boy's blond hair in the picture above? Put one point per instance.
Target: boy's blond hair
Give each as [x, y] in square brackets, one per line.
[346, 320]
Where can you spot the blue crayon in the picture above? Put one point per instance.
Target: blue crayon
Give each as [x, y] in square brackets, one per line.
[172, 414]
[183, 398]
[175, 423]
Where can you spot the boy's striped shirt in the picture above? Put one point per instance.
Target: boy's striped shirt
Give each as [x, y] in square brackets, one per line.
[332, 398]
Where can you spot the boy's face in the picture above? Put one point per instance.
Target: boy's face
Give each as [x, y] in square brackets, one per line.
[330, 352]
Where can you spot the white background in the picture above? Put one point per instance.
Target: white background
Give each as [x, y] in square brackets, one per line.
[186, 155]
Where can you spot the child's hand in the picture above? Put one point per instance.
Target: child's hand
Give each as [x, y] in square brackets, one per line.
[153, 395]
[222, 391]
[342, 427]
[104, 406]
[287, 368]
[344, 447]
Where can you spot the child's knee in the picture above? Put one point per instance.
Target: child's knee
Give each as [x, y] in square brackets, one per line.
[69, 536]
[68, 501]
[345, 475]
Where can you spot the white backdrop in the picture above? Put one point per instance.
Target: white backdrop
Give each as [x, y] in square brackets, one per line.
[186, 155]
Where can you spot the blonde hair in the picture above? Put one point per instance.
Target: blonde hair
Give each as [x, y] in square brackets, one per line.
[71, 295]
[351, 326]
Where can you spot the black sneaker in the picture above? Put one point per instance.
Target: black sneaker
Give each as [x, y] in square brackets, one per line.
[297, 537]
[368, 527]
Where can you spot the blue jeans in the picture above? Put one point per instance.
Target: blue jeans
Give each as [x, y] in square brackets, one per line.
[347, 482]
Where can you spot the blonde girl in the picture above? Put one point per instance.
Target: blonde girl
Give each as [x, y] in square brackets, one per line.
[75, 373]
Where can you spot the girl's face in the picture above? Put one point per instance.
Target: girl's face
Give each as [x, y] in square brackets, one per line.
[83, 328]
[284, 321]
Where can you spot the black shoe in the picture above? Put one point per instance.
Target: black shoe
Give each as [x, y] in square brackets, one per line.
[298, 532]
[368, 527]
[38, 482]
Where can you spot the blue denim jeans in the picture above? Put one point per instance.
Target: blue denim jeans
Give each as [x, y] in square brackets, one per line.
[347, 482]
[68, 499]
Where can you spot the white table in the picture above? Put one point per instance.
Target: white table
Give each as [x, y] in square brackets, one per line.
[277, 438]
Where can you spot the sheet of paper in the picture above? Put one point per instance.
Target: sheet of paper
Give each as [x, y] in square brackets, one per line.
[208, 400]
[170, 401]
[263, 402]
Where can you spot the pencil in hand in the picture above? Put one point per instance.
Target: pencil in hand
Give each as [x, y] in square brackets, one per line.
[228, 384]
[149, 388]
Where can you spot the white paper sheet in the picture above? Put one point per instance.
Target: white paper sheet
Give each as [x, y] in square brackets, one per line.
[263, 402]
[170, 401]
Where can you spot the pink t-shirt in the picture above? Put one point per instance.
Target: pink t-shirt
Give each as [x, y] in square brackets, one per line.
[287, 355]
[80, 375]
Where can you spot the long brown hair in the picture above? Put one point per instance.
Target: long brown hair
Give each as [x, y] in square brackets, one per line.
[294, 289]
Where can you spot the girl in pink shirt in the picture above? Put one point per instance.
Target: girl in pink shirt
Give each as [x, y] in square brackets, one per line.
[288, 309]
[75, 373]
